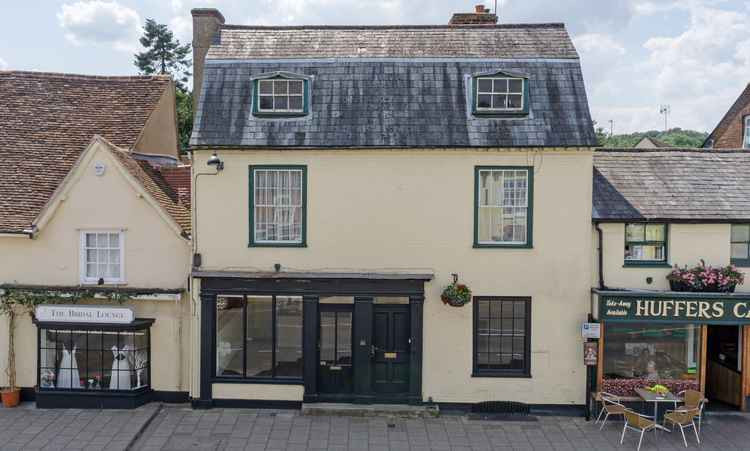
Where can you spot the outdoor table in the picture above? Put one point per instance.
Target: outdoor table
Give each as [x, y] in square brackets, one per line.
[649, 396]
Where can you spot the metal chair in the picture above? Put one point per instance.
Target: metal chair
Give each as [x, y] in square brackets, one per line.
[684, 419]
[637, 422]
[693, 399]
[611, 405]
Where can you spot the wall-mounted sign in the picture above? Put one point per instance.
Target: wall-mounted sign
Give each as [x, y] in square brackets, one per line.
[591, 330]
[84, 314]
[590, 353]
[692, 309]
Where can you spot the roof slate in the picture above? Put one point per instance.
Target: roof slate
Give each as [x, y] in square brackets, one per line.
[393, 104]
[675, 184]
[47, 122]
[408, 41]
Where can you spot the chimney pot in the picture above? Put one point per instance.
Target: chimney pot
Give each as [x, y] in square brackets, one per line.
[480, 16]
[479, 9]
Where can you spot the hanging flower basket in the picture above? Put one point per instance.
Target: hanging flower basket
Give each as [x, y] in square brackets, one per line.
[707, 279]
[456, 294]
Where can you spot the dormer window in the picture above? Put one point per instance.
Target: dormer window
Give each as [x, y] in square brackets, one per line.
[500, 94]
[280, 95]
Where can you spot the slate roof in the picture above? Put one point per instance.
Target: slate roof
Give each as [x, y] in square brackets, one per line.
[674, 184]
[47, 120]
[393, 86]
[407, 41]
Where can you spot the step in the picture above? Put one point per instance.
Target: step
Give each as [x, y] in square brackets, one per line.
[369, 410]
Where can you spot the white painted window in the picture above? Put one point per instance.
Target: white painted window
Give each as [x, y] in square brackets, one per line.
[500, 94]
[281, 96]
[746, 141]
[102, 256]
[278, 207]
[503, 210]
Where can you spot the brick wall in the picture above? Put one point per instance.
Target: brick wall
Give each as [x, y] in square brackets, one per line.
[729, 134]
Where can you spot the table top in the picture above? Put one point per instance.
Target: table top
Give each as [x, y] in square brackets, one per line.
[650, 396]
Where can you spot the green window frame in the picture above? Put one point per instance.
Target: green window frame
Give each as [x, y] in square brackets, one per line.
[646, 244]
[740, 245]
[501, 337]
[513, 228]
[278, 205]
[284, 94]
[489, 90]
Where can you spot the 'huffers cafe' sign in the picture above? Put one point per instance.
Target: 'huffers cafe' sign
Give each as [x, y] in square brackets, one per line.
[710, 308]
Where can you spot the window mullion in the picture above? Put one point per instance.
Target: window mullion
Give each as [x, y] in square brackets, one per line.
[244, 336]
[273, 336]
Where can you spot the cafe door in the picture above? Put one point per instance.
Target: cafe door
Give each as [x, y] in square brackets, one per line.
[391, 356]
[335, 371]
[724, 366]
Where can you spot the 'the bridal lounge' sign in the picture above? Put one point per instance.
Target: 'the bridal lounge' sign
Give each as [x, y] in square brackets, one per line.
[84, 314]
[668, 309]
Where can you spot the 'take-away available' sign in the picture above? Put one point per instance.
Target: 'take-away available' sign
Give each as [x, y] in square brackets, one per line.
[84, 314]
[687, 310]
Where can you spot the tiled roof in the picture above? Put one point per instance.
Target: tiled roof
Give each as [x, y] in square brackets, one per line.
[437, 41]
[47, 120]
[153, 182]
[674, 184]
[394, 104]
[742, 101]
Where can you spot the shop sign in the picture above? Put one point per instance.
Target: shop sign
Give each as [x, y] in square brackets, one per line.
[590, 353]
[591, 330]
[708, 309]
[84, 314]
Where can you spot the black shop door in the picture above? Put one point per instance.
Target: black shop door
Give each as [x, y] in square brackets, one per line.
[335, 350]
[391, 346]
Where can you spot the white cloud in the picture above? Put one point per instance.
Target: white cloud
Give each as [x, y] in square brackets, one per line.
[3, 64]
[98, 22]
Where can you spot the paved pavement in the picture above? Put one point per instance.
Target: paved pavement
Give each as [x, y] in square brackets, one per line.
[176, 428]
[155, 427]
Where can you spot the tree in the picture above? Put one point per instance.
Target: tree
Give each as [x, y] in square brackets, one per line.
[165, 55]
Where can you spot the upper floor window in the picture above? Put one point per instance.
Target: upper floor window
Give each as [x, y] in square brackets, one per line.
[503, 206]
[280, 95]
[102, 257]
[746, 141]
[278, 197]
[645, 243]
[500, 94]
[741, 244]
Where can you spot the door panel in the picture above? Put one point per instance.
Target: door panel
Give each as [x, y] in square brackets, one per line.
[335, 349]
[391, 349]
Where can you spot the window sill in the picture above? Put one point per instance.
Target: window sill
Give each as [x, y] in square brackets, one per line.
[277, 245]
[500, 374]
[503, 246]
[255, 380]
[640, 264]
[741, 263]
[280, 115]
[106, 283]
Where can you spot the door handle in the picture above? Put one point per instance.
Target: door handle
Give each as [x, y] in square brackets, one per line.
[372, 350]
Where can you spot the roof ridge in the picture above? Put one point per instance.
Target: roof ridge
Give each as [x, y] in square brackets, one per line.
[669, 150]
[42, 74]
[556, 25]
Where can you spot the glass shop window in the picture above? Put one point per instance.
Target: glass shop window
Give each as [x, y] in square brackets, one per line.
[90, 359]
[640, 355]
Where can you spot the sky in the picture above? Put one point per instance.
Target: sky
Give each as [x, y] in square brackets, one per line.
[693, 55]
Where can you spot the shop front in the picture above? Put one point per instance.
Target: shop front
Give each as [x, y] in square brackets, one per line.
[697, 341]
[285, 338]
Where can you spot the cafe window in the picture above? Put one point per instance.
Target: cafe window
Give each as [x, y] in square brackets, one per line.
[259, 337]
[502, 337]
[741, 244]
[645, 244]
[642, 354]
[94, 359]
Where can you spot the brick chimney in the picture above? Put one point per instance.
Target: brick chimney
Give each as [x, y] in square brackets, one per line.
[480, 16]
[206, 23]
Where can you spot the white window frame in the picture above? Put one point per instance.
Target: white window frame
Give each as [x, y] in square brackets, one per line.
[746, 136]
[82, 257]
[506, 109]
[301, 206]
[273, 95]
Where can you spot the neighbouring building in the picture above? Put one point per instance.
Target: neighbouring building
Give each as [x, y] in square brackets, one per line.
[733, 131]
[647, 142]
[345, 175]
[654, 210]
[87, 215]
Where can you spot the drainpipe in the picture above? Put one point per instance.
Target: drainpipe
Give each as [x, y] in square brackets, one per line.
[600, 250]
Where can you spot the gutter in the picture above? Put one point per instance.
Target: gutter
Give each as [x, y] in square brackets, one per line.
[600, 259]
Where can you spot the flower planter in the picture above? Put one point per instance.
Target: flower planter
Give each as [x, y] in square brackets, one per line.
[705, 279]
[11, 397]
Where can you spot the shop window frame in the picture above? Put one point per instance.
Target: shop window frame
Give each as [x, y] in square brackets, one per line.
[525, 372]
[244, 379]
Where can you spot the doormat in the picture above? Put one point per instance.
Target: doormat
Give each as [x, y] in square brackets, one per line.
[500, 417]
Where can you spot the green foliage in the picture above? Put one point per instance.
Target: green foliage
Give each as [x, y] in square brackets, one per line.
[164, 55]
[675, 137]
[184, 117]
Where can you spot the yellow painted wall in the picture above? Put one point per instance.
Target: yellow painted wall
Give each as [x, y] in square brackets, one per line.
[268, 392]
[155, 257]
[687, 245]
[414, 211]
[159, 135]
